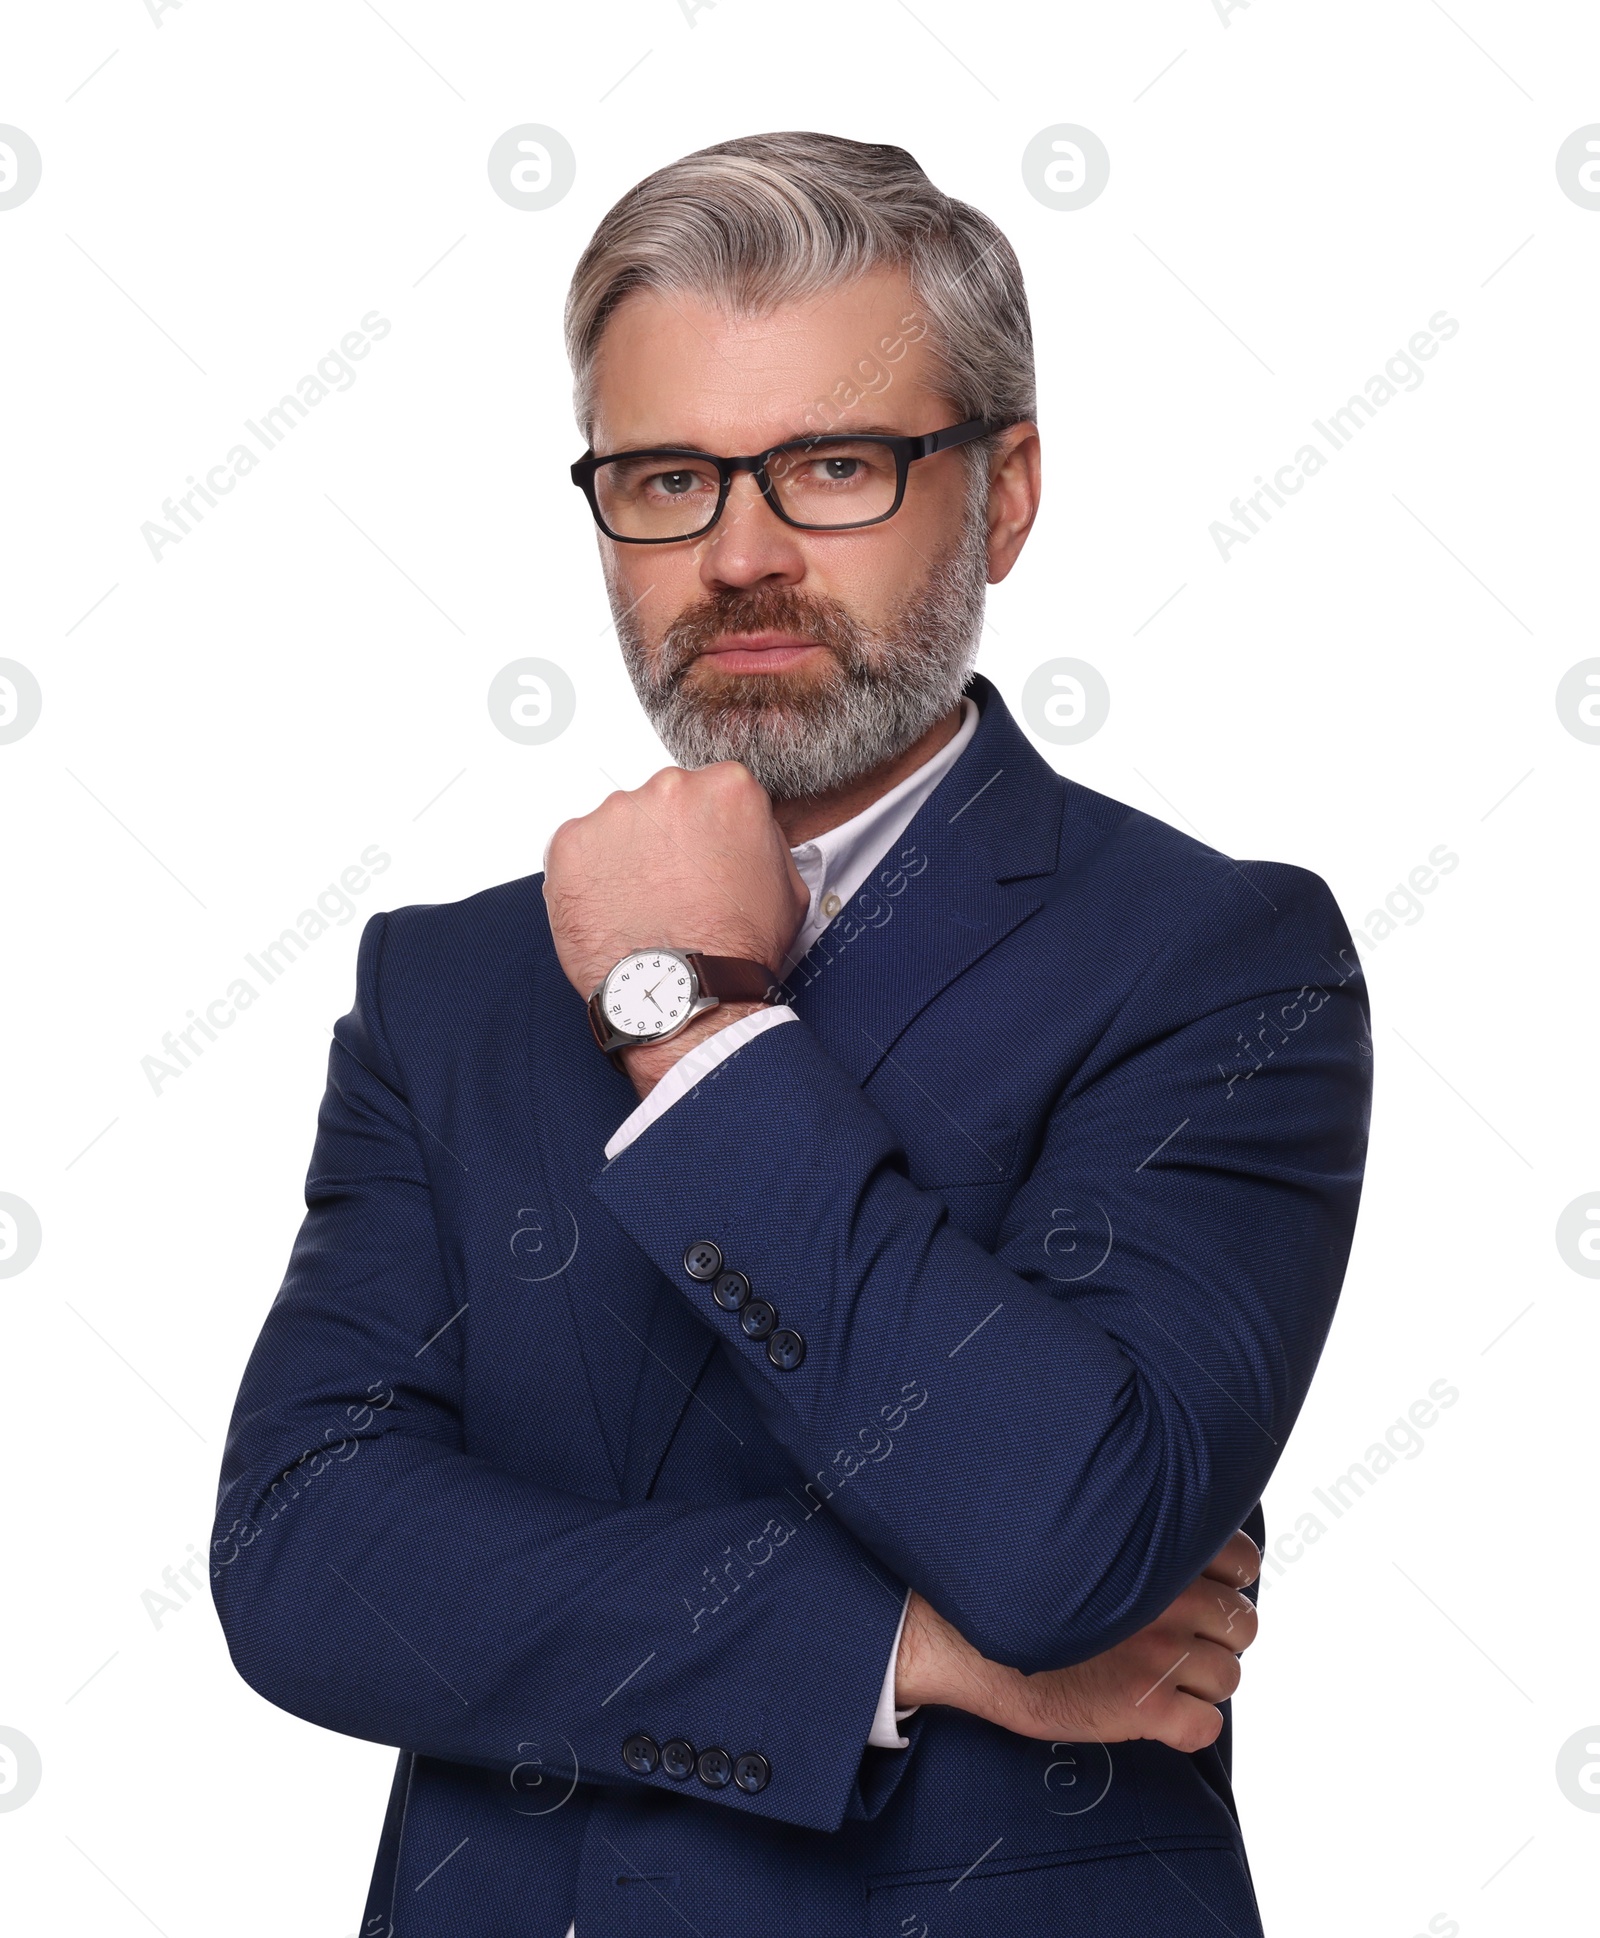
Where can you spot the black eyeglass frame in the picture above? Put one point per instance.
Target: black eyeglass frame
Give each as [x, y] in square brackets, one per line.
[906, 451]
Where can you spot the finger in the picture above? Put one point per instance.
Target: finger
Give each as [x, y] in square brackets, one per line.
[1185, 1723]
[1209, 1671]
[1222, 1615]
[1238, 1563]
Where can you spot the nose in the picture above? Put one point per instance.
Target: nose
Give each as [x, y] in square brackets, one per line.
[750, 544]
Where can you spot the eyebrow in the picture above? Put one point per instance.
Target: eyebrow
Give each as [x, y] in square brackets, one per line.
[699, 450]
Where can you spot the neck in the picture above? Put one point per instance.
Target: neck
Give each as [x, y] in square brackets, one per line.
[803, 820]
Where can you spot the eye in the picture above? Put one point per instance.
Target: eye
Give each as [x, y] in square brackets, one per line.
[672, 484]
[837, 470]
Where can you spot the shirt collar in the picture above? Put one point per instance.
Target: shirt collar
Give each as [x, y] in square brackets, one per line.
[836, 863]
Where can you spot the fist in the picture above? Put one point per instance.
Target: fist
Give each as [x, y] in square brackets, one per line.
[694, 859]
[1162, 1684]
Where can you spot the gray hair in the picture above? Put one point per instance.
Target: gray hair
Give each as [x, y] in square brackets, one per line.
[769, 219]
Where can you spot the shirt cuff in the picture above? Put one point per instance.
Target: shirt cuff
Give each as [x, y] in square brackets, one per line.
[885, 1733]
[691, 1067]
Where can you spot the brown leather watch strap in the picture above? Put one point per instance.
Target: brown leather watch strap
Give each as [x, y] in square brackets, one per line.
[734, 979]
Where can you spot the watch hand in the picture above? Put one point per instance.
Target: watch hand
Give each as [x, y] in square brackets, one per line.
[650, 996]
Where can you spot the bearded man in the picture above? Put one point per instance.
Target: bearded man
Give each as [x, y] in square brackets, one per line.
[799, 1302]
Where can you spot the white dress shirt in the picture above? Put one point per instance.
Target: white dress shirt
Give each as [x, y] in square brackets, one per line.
[832, 866]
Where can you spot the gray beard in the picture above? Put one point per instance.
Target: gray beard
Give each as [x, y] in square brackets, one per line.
[887, 686]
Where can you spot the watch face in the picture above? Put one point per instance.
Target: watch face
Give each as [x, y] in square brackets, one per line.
[648, 993]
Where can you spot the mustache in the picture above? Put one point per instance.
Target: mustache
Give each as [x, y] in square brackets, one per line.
[753, 610]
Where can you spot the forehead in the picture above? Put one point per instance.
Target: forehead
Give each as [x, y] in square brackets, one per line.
[674, 368]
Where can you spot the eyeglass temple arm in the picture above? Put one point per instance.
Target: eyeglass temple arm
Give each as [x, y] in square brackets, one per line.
[975, 427]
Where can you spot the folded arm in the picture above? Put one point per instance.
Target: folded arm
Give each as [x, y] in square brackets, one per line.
[376, 1578]
[1087, 1443]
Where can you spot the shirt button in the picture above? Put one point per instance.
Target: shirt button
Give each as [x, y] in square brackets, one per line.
[677, 1758]
[831, 905]
[640, 1754]
[758, 1319]
[715, 1767]
[731, 1291]
[702, 1260]
[752, 1771]
[786, 1349]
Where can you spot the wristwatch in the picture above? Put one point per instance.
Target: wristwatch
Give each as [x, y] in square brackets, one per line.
[653, 993]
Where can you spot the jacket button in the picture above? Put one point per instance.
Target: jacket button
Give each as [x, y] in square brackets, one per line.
[677, 1758]
[752, 1771]
[758, 1319]
[640, 1754]
[731, 1291]
[715, 1767]
[702, 1260]
[786, 1349]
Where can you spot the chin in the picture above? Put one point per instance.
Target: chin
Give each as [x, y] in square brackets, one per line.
[802, 685]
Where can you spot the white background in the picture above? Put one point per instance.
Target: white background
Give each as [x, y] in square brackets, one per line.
[1371, 675]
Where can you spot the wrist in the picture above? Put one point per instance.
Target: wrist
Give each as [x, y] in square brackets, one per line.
[647, 1063]
[936, 1664]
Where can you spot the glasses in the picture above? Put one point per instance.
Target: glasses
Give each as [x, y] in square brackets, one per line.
[819, 484]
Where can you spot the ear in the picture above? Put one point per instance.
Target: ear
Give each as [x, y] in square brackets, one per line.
[1013, 496]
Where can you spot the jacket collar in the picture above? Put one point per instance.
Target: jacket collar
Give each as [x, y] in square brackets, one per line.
[956, 882]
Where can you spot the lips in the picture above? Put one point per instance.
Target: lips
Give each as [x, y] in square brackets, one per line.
[763, 652]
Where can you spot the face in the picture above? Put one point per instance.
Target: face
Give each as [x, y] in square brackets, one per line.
[812, 657]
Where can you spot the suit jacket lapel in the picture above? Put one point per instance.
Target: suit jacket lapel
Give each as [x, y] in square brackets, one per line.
[957, 882]
[977, 845]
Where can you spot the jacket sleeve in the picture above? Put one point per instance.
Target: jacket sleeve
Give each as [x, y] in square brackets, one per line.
[374, 1577]
[1094, 1427]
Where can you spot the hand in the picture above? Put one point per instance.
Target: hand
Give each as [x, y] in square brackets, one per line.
[1160, 1685]
[694, 858]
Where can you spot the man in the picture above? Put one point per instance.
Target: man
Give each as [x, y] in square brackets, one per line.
[796, 1301]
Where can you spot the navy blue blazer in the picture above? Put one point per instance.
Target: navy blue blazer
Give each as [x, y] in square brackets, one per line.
[1055, 1178]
